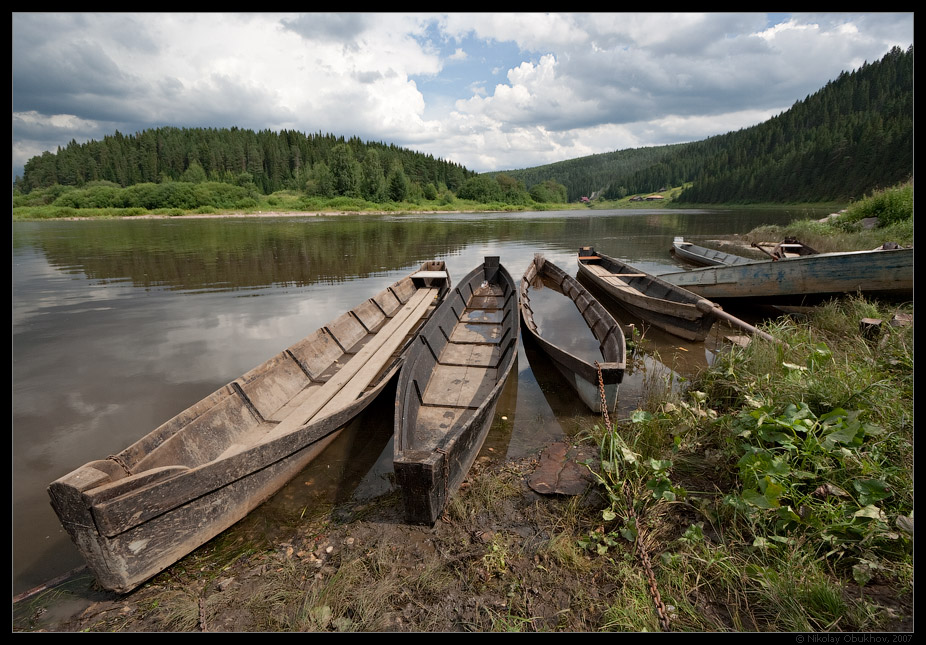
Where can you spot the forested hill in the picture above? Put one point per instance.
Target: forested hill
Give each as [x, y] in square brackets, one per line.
[271, 161]
[852, 136]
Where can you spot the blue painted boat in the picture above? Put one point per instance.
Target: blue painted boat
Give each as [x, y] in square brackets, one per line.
[703, 256]
[886, 273]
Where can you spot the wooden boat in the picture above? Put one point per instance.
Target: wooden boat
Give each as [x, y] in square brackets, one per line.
[790, 247]
[135, 513]
[660, 303]
[802, 279]
[581, 375]
[449, 387]
[703, 256]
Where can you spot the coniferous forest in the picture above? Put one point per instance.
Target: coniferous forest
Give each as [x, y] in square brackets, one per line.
[849, 138]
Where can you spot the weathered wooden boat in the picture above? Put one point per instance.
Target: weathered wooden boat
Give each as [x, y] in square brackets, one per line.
[582, 375]
[803, 279]
[449, 387]
[703, 256]
[135, 513]
[664, 305]
[790, 247]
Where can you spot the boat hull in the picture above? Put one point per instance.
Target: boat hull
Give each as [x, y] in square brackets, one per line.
[667, 306]
[449, 388]
[703, 256]
[884, 273]
[133, 514]
[582, 375]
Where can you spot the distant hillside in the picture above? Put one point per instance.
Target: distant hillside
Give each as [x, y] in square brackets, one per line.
[840, 143]
[592, 175]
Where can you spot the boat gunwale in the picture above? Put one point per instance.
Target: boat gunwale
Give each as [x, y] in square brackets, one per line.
[106, 501]
[690, 316]
[614, 353]
[706, 256]
[426, 486]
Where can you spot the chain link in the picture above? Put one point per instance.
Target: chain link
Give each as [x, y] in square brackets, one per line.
[647, 564]
[641, 548]
[604, 400]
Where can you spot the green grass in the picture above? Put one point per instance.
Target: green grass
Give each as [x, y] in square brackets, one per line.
[779, 479]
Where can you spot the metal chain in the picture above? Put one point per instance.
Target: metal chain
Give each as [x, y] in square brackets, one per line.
[446, 472]
[604, 400]
[202, 615]
[641, 549]
[647, 564]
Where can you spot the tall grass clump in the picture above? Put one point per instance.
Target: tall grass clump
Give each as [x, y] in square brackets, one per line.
[788, 478]
[892, 207]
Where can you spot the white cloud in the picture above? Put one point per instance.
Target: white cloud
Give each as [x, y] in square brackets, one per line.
[573, 84]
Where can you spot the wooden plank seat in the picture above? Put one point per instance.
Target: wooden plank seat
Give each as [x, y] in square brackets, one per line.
[350, 381]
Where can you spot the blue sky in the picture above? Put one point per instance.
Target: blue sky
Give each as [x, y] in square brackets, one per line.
[489, 91]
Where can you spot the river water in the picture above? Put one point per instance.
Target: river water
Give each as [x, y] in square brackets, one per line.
[119, 325]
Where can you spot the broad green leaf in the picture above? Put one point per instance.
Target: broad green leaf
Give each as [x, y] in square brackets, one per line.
[757, 499]
[660, 465]
[694, 533]
[844, 435]
[871, 511]
[608, 515]
[871, 490]
[640, 416]
[786, 513]
[861, 572]
[662, 488]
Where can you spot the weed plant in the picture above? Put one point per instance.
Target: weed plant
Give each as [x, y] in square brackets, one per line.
[787, 481]
[892, 208]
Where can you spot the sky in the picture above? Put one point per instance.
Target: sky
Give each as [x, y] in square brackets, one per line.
[489, 91]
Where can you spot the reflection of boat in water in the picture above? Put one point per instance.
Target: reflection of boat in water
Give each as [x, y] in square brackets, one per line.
[350, 467]
[558, 392]
[585, 378]
[137, 512]
[501, 431]
[449, 388]
[687, 358]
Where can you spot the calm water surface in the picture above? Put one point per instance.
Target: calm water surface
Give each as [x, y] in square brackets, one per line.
[119, 325]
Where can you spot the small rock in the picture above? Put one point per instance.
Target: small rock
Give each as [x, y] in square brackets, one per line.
[224, 584]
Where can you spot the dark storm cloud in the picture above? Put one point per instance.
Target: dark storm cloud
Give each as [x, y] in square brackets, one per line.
[330, 27]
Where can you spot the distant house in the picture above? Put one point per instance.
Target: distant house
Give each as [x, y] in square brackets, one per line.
[636, 198]
[653, 198]
[584, 200]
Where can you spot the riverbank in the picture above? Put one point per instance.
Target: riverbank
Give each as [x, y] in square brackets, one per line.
[505, 557]
[776, 495]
